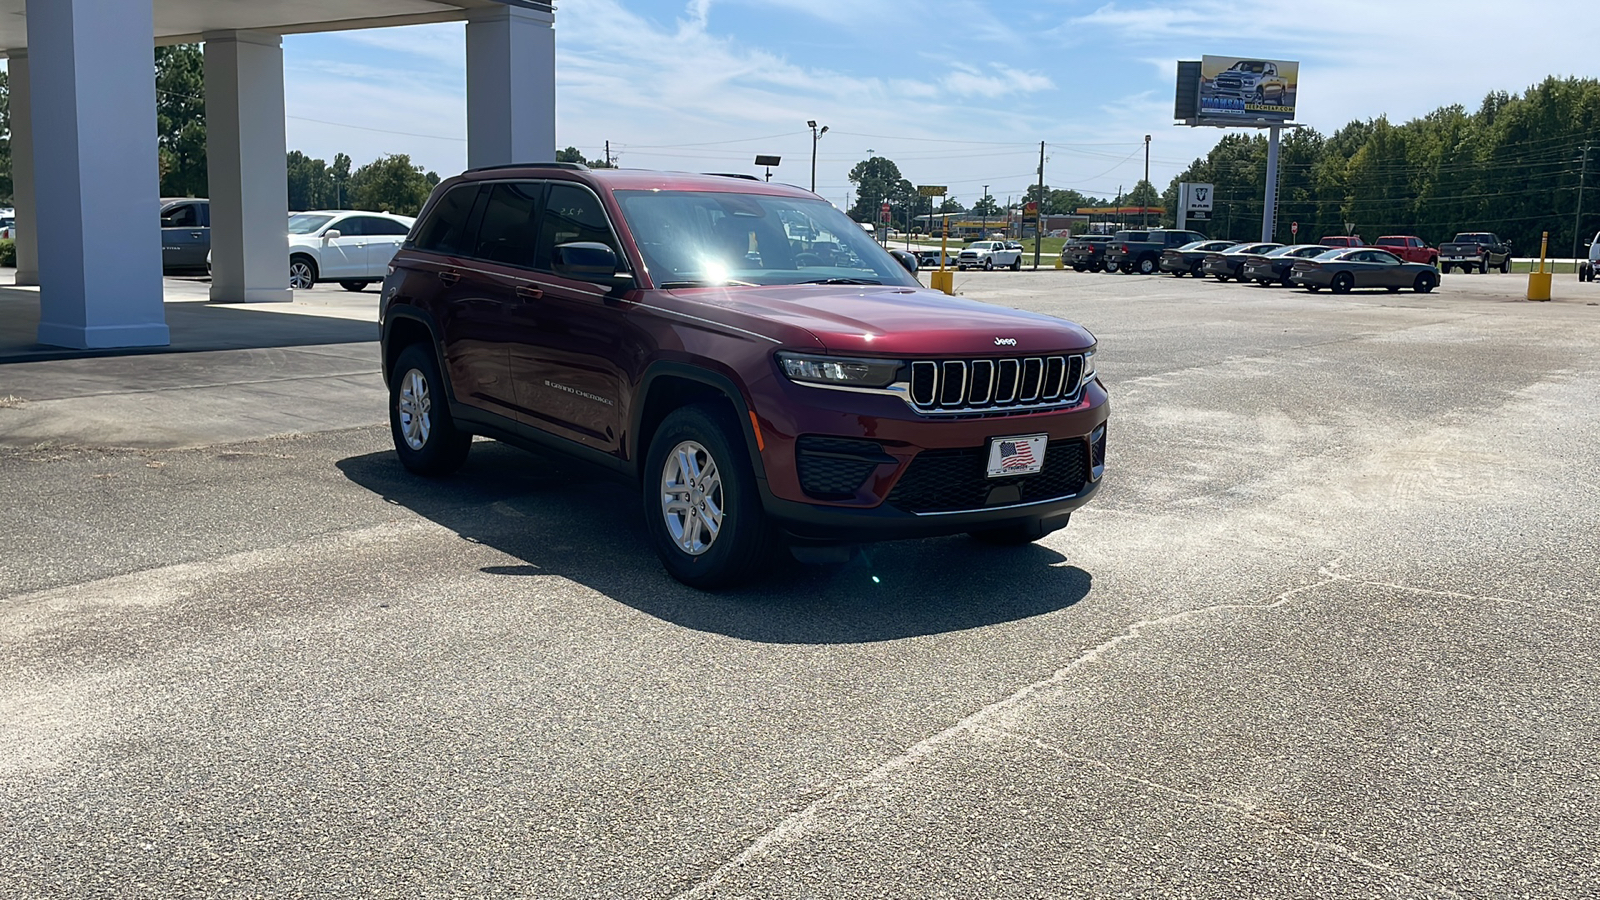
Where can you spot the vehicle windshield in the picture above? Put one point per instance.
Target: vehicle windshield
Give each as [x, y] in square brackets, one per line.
[302, 223]
[1200, 245]
[709, 238]
[1255, 67]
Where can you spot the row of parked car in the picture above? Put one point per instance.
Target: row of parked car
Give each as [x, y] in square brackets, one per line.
[1339, 263]
[349, 247]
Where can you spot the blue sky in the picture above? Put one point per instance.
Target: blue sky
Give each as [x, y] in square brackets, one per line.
[957, 92]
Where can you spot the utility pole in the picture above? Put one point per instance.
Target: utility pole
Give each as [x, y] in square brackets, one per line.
[1144, 215]
[609, 164]
[1577, 217]
[984, 234]
[1038, 210]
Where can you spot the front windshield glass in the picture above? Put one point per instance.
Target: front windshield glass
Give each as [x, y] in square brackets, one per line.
[302, 223]
[706, 238]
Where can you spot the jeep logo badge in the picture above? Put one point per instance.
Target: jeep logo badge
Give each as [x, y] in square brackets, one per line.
[1005, 342]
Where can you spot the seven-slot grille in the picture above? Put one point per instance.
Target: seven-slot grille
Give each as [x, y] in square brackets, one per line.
[970, 386]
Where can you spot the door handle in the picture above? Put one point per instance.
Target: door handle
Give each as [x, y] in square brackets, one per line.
[529, 292]
[196, 234]
[449, 277]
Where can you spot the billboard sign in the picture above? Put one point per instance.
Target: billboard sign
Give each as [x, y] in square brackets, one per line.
[1237, 90]
[1196, 197]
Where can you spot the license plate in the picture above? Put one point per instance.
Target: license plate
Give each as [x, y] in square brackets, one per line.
[1021, 455]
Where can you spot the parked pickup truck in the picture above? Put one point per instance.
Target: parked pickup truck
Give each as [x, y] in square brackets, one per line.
[1475, 251]
[1409, 248]
[1140, 251]
[989, 255]
[1086, 253]
[1342, 240]
[1587, 269]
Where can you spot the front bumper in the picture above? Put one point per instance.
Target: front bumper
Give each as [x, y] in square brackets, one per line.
[924, 505]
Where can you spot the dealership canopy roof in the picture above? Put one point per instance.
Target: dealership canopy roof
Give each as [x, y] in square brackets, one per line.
[178, 21]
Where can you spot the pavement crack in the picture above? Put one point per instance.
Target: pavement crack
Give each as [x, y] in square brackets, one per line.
[794, 825]
[1331, 571]
[1343, 851]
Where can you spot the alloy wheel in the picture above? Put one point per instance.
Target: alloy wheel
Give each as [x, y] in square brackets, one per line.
[691, 498]
[300, 277]
[415, 406]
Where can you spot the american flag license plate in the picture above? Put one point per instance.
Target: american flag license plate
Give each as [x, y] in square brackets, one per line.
[1021, 455]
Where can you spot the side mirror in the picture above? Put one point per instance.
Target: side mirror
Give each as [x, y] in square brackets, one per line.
[906, 259]
[590, 261]
[332, 234]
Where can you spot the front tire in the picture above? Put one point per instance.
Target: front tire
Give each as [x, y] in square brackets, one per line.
[701, 503]
[1505, 265]
[988, 264]
[302, 272]
[425, 436]
[354, 286]
[1425, 282]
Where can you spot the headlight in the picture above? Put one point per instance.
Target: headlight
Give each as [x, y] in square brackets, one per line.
[838, 370]
[1088, 364]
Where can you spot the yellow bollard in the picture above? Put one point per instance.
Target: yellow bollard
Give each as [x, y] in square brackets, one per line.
[1059, 264]
[1539, 282]
[943, 280]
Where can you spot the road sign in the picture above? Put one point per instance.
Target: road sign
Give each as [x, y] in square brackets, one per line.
[1294, 227]
[933, 190]
[883, 212]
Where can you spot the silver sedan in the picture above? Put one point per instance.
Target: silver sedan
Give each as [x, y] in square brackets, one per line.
[1351, 267]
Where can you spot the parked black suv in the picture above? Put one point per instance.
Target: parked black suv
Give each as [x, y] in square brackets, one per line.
[1140, 251]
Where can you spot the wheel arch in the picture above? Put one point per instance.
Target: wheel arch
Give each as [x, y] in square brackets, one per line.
[669, 385]
[401, 329]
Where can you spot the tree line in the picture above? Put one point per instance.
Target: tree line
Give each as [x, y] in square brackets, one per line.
[390, 183]
[1514, 166]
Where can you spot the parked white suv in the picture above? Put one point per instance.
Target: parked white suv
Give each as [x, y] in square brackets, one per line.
[352, 248]
[989, 255]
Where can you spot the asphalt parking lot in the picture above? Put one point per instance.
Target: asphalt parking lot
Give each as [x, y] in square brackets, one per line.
[1328, 631]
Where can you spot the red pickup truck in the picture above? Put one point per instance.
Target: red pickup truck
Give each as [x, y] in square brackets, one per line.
[1410, 249]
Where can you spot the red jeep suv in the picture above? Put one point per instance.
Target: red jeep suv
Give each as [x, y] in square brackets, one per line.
[741, 351]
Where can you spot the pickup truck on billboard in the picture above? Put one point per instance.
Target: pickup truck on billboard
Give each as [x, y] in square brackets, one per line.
[1239, 89]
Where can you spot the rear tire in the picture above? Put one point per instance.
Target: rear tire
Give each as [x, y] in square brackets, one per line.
[1147, 266]
[1505, 265]
[425, 436]
[1343, 282]
[1014, 535]
[1196, 271]
[1016, 264]
[1111, 267]
[701, 503]
[354, 286]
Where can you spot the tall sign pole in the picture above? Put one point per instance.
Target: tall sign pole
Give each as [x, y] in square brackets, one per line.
[1269, 212]
[1577, 215]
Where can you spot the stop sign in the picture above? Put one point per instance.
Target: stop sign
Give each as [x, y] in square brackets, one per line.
[883, 212]
[1294, 227]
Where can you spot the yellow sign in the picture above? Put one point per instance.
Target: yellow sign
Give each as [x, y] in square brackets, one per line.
[933, 190]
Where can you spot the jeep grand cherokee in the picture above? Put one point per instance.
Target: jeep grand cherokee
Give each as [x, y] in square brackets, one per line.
[742, 352]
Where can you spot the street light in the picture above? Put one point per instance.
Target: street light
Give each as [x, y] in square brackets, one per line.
[814, 135]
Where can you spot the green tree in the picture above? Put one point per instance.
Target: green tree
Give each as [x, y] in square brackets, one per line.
[181, 120]
[950, 205]
[986, 206]
[310, 183]
[391, 184]
[574, 155]
[875, 179]
[5, 142]
[339, 173]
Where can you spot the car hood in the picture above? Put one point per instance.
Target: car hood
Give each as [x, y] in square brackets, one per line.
[896, 321]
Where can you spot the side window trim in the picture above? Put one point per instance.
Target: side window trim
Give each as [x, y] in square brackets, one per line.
[480, 208]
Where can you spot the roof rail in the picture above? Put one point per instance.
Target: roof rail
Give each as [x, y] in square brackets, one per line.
[732, 175]
[533, 165]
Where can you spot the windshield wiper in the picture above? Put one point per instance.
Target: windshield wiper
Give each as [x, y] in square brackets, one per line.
[840, 281]
[669, 285]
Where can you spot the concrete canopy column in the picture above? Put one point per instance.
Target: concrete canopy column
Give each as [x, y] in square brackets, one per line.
[27, 227]
[511, 86]
[95, 173]
[247, 168]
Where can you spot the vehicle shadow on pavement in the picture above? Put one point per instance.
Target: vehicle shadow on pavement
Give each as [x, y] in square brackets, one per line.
[567, 520]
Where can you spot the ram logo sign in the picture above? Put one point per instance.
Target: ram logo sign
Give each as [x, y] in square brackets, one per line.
[1245, 91]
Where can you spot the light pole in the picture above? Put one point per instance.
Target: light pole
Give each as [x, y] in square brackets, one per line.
[814, 135]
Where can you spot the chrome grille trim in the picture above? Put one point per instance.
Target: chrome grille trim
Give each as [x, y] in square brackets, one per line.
[995, 386]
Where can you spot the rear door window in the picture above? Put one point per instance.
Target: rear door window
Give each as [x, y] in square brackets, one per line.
[447, 228]
[509, 231]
